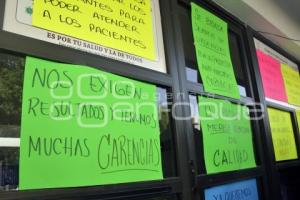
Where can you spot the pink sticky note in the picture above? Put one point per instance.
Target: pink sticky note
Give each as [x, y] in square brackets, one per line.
[271, 77]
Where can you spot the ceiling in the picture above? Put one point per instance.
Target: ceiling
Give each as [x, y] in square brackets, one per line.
[291, 7]
[280, 17]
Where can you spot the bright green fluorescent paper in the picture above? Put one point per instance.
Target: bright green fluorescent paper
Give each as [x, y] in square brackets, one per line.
[227, 136]
[298, 119]
[83, 127]
[213, 55]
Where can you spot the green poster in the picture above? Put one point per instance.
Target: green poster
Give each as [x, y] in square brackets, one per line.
[84, 127]
[213, 55]
[227, 135]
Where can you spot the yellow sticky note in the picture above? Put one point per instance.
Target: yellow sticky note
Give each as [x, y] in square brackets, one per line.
[292, 84]
[282, 135]
[125, 25]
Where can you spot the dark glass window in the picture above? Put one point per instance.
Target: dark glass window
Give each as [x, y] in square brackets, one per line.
[166, 136]
[11, 81]
[289, 181]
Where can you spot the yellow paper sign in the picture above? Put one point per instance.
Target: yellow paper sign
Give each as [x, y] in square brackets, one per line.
[292, 84]
[282, 135]
[125, 25]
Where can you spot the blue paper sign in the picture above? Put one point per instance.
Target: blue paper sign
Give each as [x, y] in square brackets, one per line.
[244, 190]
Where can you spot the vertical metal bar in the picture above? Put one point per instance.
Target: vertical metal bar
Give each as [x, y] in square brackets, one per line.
[269, 164]
[2, 9]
